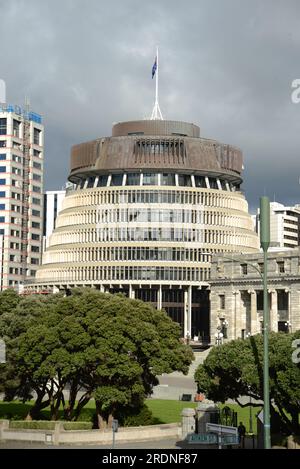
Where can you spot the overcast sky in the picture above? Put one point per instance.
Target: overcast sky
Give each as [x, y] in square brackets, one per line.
[224, 65]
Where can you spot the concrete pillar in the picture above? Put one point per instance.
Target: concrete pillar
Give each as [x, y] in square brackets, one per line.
[214, 321]
[4, 425]
[57, 429]
[102, 288]
[273, 311]
[188, 422]
[131, 292]
[289, 309]
[253, 313]
[237, 314]
[203, 415]
[188, 312]
[159, 297]
[294, 308]
[190, 309]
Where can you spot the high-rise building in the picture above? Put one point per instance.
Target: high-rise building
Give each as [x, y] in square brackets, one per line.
[152, 204]
[284, 225]
[21, 194]
[52, 206]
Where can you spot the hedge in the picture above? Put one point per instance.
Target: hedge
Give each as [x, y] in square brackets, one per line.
[78, 425]
[32, 424]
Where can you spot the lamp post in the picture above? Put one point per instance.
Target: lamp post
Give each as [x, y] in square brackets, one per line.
[265, 243]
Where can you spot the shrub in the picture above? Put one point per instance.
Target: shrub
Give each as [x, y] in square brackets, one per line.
[136, 417]
[32, 424]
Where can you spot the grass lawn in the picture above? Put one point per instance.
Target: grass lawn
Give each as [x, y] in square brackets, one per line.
[170, 411]
[165, 411]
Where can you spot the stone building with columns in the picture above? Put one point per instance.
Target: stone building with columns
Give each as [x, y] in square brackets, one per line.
[149, 207]
[236, 293]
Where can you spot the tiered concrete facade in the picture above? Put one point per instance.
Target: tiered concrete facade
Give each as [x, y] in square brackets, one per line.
[152, 204]
[237, 294]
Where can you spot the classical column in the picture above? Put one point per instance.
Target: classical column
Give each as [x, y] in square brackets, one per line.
[159, 297]
[254, 326]
[295, 307]
[236, 314]
[273, 311]
[214, 308]
[288, 291]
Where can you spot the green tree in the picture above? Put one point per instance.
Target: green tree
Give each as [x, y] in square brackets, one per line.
[17, 317]
[236, 369]
[9, 299]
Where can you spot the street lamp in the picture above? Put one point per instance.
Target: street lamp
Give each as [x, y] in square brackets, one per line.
[288, 325]
[265, 243]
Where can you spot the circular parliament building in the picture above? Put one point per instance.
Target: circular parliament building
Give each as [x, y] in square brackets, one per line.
[148, 208]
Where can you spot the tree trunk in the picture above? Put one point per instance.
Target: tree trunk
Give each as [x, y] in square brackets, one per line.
[68, 411]
[101, 422]
[109, 420]
[81, 403]
[34, 412]
[295, 421]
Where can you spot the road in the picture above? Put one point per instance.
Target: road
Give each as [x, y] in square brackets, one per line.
[166, 443]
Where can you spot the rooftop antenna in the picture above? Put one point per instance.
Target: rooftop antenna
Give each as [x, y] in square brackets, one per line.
[156, 113]
[27, 104]
[2, 91]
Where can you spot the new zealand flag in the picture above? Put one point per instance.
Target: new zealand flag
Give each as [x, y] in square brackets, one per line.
[154, 67]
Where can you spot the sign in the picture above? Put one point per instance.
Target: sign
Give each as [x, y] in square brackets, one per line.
[229, 440]
[213, 439]
[221, 429]
[115, 425]
[260, 416]
[203, 438]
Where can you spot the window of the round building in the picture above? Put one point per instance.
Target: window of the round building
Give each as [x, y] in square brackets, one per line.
[116, 180]
[133, 179]
[102, 180]
[200, 181]
[168, 179]
[157, 179]
[184, 180]
[91, 182]
[150, 179]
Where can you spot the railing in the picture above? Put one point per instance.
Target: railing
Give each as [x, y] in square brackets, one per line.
[28, 115]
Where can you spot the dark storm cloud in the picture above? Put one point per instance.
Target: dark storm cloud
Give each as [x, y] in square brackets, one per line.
[225, 65]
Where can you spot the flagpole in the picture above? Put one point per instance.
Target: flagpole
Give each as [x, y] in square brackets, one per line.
[156, 81]
[156, 113]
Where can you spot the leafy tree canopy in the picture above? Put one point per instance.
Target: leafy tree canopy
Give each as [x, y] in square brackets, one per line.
[236, 369]
[107, 346]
